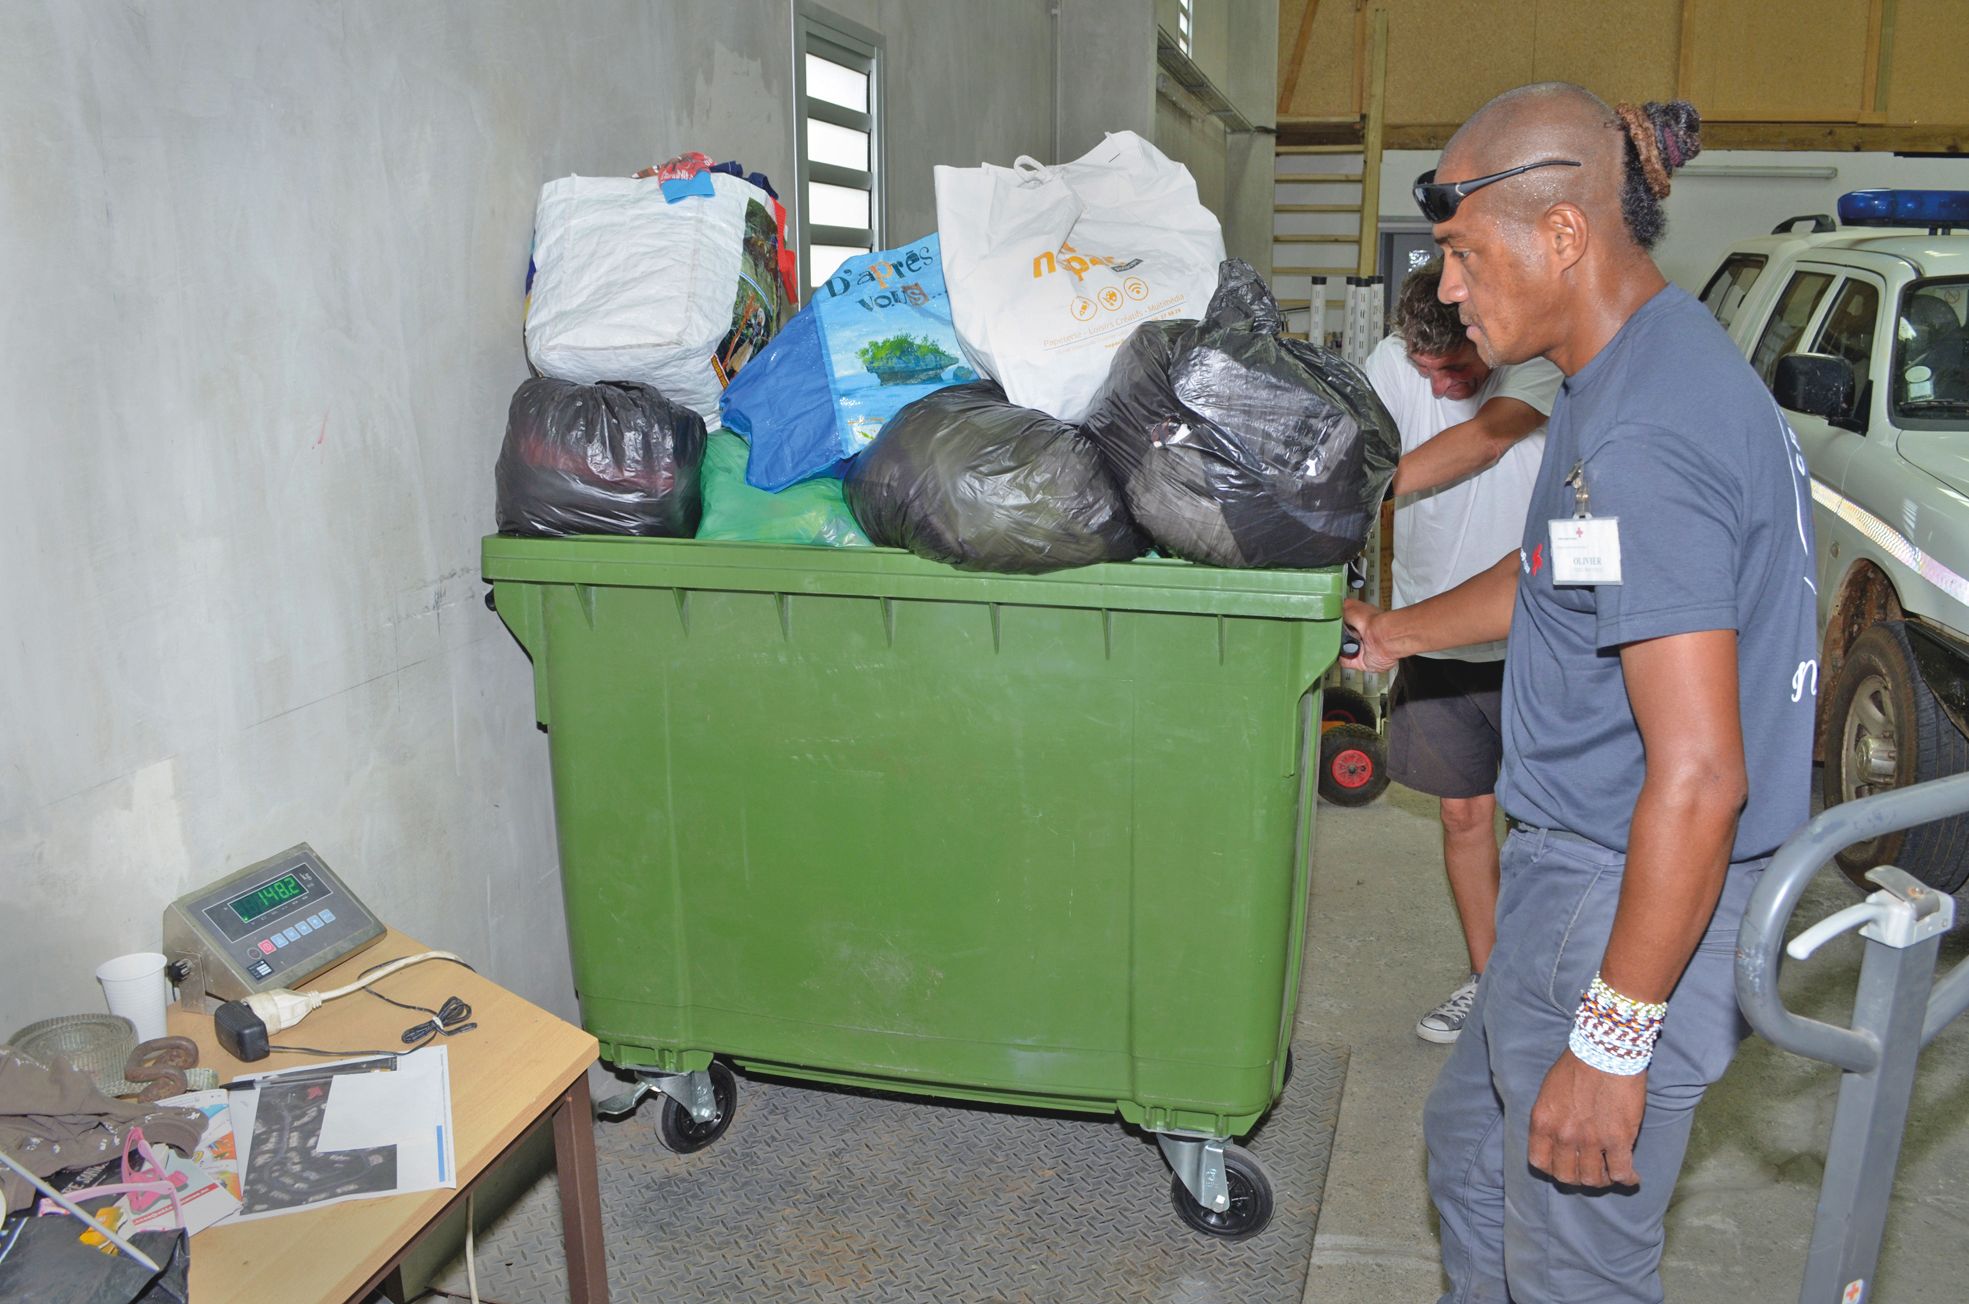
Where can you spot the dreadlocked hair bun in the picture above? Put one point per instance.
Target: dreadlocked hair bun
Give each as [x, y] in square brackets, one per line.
[1660, 138]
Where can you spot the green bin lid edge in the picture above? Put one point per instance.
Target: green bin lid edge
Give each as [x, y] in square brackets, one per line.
[1149, 584]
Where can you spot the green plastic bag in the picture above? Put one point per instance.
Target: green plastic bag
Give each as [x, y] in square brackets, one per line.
[812, 512]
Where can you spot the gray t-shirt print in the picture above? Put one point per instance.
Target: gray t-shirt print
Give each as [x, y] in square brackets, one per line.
[1679, 441]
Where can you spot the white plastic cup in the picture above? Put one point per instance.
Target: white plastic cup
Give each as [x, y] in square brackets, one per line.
[135, 988]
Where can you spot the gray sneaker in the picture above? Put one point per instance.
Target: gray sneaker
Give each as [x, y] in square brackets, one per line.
[1444, 1024]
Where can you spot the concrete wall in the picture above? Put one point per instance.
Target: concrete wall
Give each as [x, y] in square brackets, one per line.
[968, 83]
[1251, 58]
[264, 263]
[1199, 142]
[1710, 209]
[1105, 72]
[1251, 83]
[1235, 44]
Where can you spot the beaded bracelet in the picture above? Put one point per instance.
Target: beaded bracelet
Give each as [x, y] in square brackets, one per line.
[1614, 1033]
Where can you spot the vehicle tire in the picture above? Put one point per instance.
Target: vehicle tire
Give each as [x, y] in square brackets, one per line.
[1353, 765]
[1886, 730]
[1345, 706]
[1251, 1200]
[680, 1133]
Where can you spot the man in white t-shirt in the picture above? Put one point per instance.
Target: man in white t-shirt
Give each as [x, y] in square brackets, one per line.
[1472, 436]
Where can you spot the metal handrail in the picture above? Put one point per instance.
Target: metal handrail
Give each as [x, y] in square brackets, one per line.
[1897, 1009]
[1761, 934]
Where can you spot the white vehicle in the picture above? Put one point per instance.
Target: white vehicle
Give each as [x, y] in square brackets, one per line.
[1859, 331]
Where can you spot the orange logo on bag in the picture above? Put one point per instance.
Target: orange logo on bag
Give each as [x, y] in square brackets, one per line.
[1072, 260]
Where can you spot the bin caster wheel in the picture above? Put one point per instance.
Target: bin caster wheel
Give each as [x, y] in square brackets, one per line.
[1251, 1200]
[1353, 765]
[684, 1135]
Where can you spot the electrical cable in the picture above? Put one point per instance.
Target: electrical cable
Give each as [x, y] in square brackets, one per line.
[316, 1050]
[448, 1020]
[471, 1250]
[384, 970]
[282, 1008]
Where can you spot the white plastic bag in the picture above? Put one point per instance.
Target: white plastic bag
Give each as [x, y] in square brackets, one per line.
[628, 286]
[1050, 269]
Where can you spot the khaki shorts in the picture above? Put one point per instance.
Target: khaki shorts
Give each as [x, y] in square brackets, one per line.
[1444, 731]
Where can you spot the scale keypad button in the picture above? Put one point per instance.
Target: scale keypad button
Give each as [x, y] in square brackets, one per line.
[315, 921]
[280, 939]
[327, 916]
[266, 946]
[291, 935]
[303, 926]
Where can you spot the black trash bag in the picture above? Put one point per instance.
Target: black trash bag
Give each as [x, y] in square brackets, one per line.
[965, 477]
[1236, 446]
[612, 458]
[45, 1261]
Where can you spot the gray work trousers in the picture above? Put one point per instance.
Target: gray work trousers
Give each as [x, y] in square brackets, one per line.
[1510, 1233]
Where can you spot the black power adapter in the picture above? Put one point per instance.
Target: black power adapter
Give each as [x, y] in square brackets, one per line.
[241, 1032]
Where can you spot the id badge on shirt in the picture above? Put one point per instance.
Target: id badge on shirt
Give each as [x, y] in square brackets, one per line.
[1585, 547]
[1586, 550]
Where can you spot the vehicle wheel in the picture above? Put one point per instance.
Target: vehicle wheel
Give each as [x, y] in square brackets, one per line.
[1345, 706]
[1251, 1200]
[1353, 765]
[681, 1133]
[1885, 730]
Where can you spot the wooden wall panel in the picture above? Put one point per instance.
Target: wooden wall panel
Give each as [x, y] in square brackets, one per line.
[1928, 62]
[1783, 68]
[1325, 88]
[1625, 51]
[1751, 60]
[1447, 57]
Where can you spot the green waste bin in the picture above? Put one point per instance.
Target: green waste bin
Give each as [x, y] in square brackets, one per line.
[860, 818]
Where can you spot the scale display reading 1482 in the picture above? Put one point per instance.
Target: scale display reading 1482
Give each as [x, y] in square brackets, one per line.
[265, 897]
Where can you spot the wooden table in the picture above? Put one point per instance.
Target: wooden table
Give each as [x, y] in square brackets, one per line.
[519, 1070]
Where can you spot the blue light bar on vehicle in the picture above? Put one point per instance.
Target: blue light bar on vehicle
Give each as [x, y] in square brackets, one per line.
[1929, 208]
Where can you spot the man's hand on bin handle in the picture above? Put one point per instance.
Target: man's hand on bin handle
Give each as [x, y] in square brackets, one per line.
[1360, 649]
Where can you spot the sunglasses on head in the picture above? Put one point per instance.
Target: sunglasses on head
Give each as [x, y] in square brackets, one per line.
[1438, 200]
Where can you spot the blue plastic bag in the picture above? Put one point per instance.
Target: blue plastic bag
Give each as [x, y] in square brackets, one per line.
[873, 339]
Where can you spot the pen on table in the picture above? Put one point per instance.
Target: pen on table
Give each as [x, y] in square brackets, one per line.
[385, 1064]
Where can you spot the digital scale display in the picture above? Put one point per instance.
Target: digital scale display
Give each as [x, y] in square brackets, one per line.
[272, 924]
[265, 897]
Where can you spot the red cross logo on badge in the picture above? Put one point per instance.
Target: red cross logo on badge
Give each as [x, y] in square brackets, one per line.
[1855, 1292]
[1537, 558]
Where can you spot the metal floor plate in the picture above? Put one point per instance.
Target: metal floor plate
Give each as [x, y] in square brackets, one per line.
[823, 1195]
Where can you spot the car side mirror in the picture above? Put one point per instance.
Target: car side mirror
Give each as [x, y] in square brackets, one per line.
[1816, 384]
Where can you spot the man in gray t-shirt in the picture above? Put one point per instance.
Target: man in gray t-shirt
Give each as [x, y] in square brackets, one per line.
[1674, 437]
[1657, 709]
